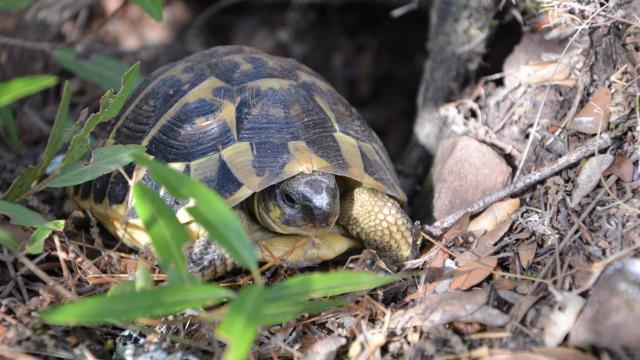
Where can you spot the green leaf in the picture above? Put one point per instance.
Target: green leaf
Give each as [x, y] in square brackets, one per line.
[110, 106]
[274, 313]
[144, 281]
[8, 241]
[22, 216]
[14, 5]
[36, 242]
[129, 306]
[311, 285]
[122, 287]
[240, 325]
[97, 69]
[8, 125]
[18, 88]
[105, 160]
[31, 175]
[168, 236]
[151, 7]
[209, 210]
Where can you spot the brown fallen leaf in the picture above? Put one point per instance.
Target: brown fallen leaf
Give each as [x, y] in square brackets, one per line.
[557, 73]
[593, 118]
[472, 273]
[623, 167]
[493, 215]
[440, 309]
[589, 176]
[526, 253]
[456, 230]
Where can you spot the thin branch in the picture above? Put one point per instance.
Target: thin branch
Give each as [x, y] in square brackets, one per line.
[589, 148]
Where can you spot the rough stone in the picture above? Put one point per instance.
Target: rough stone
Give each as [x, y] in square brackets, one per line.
[611, 315]
[464, 171]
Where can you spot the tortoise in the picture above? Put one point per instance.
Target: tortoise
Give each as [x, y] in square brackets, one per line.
[301, 167]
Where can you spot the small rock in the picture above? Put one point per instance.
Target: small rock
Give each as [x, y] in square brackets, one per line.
[325, 348]
[464, 171]
[611, 315]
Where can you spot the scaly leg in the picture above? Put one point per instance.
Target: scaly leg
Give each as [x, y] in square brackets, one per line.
[379, 221]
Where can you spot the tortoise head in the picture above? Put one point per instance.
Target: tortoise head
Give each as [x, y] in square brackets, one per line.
[304, 204]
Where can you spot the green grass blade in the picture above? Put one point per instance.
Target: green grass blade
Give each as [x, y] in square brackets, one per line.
[110, 106]
[274, 313]
[313, 285]
[18, 88]
[10, 128]
[240, 325]
[22, 216]
[151, 7]
[105, 160]
[168, 236]
[129, 306]
[8, 241]
[97, 69]
[13, 6]
[209, 210]
[31, 175]
[36, 242]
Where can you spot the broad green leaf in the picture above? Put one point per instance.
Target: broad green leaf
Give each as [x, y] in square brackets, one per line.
[129, 306]
[100, 70]
[18, 88]
[22, 216]
[274, 313]
[15, 5]
[105, 160]
[31, 175]
[10, 128]
[144, 281]
[36, 242]
[168, 236]
[209, 210]
[240, 324]
[151, 7]
[8, 241]
[122, 287]
[110, 106]
[311, 285]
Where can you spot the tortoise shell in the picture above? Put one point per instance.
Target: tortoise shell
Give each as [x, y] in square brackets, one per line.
[240, 121]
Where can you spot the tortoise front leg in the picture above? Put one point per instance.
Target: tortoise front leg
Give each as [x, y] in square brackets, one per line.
[379, 221]
[208, 260]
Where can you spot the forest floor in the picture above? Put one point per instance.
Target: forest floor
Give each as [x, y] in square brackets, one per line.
[539, 135]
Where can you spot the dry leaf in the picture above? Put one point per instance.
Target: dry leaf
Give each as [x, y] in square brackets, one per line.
[589, 176]
[440, 309]
[472, 273]
[492, 236]
[493, 215]
[593, 118]
[456, 230]
[526, 253]
[553, 72]
[623, 167]
[563, 317]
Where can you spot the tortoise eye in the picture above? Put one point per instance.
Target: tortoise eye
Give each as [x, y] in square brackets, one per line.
[288, 199]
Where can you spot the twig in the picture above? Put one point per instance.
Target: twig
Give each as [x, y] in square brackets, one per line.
[46, 278]
[534, 131]
[33, 45]
[590, 147]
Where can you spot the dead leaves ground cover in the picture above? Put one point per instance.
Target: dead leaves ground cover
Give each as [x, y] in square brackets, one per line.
[549, 271]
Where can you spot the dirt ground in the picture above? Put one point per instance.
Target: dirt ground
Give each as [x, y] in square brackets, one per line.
[527, 108]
